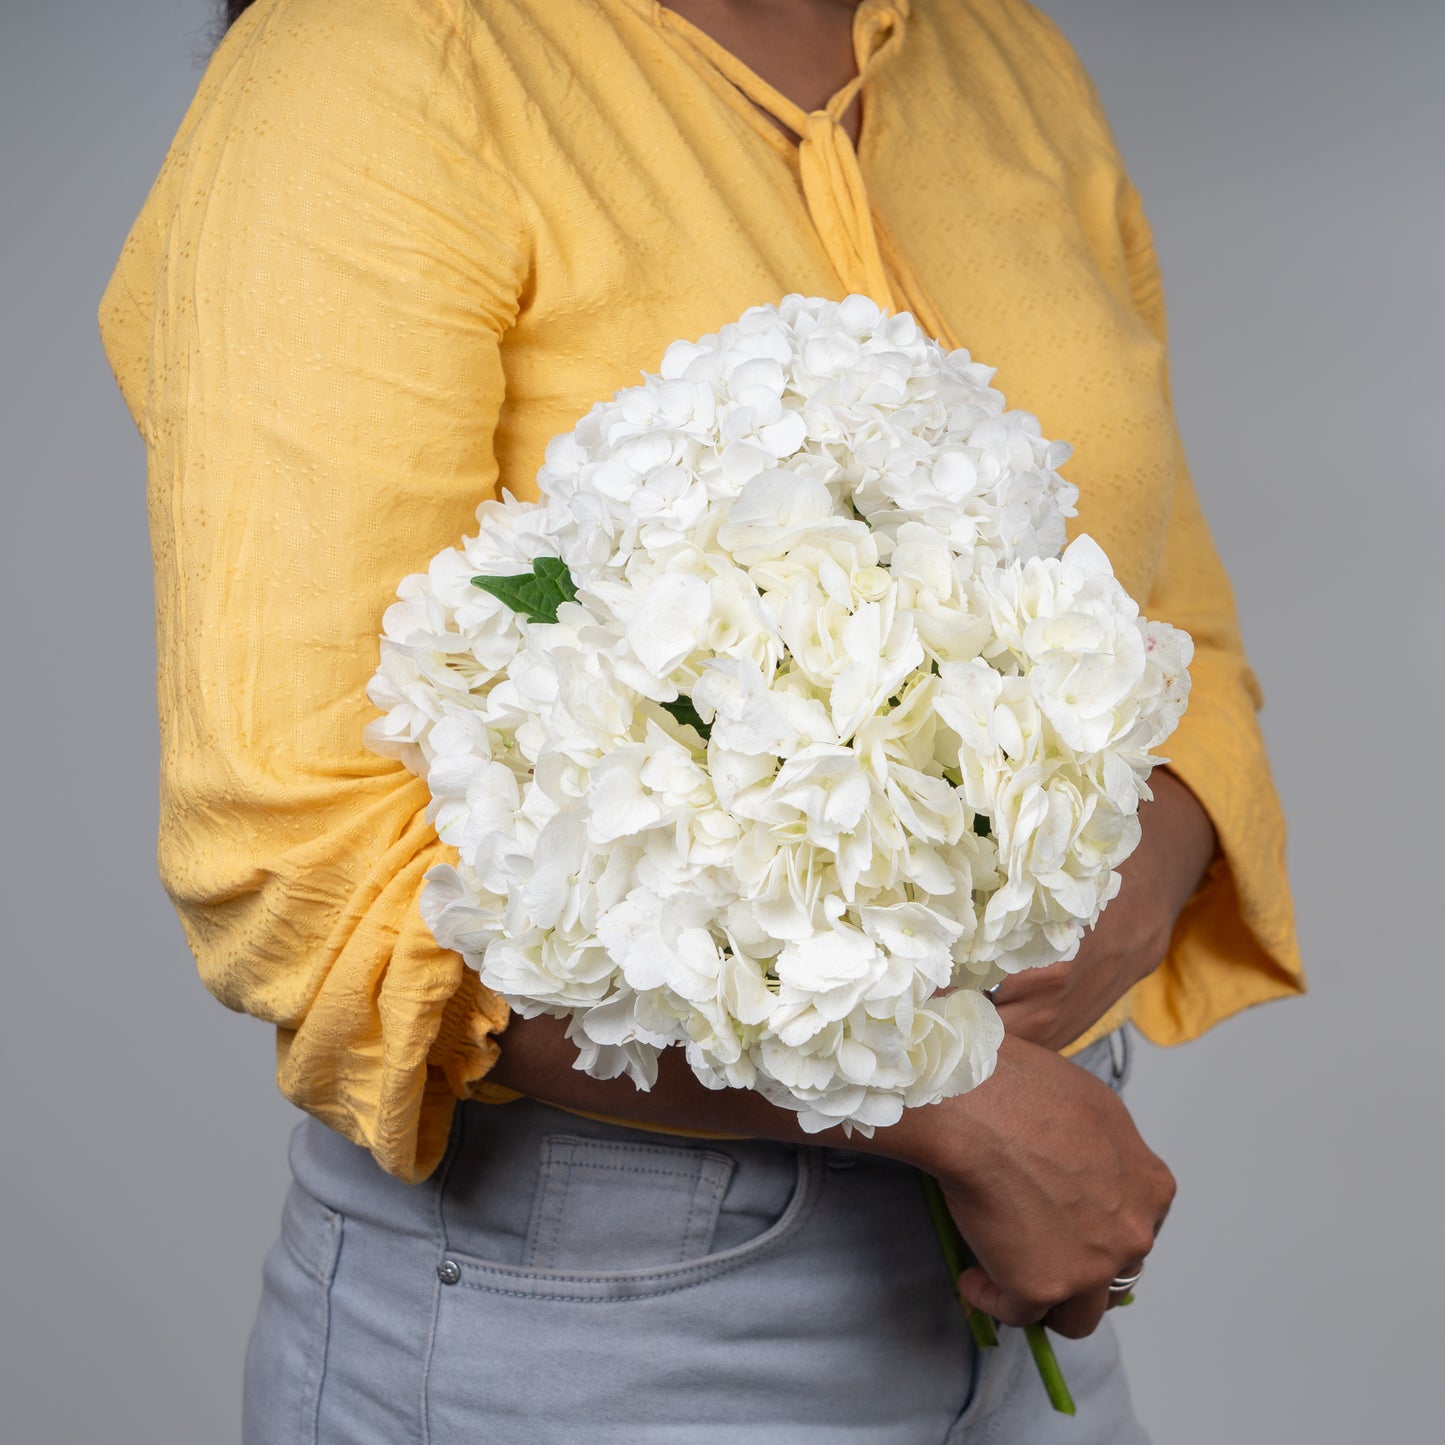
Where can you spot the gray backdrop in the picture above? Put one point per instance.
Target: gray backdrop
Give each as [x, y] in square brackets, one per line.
[1288, 151]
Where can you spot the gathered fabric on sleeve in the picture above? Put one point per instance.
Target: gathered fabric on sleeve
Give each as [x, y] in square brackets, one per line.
[333, 261]
[1235, 944]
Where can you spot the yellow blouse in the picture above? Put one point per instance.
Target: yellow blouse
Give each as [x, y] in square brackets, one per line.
[396, 246]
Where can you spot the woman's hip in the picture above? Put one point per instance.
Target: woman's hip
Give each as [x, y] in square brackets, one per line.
[562, 1279]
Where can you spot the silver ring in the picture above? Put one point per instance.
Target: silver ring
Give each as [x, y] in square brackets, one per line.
[1123, 1283]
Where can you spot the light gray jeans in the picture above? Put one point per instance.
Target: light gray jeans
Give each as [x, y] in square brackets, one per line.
[564, 1282]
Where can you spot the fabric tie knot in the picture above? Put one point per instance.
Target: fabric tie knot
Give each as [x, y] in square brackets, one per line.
[838, 202]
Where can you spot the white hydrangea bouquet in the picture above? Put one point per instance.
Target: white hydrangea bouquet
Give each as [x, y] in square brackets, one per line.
[785, 723]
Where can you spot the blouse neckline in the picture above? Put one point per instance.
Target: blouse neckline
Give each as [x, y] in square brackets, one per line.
[878, 28]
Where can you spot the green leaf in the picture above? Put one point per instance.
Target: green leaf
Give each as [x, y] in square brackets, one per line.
[536, 594]
[687, 715]
[981, 825]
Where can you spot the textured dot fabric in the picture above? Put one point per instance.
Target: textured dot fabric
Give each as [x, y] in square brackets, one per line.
[397, 246]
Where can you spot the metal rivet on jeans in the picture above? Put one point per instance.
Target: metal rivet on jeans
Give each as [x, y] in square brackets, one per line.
[449, 1271]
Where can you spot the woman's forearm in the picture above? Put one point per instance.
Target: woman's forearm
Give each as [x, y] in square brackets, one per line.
[537, 1060]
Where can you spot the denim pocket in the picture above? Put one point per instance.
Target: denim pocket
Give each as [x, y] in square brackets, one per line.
[606, 1204]
[616, 1315]
[286, 1353]
[615, 1221]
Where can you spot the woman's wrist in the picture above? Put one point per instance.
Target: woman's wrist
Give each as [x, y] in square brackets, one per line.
[962, 1138]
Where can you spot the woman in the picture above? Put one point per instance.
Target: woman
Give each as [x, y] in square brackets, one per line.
[394, 249]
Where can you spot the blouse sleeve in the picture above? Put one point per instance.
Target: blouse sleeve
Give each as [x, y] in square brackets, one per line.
[1234, 945]
[322, 276]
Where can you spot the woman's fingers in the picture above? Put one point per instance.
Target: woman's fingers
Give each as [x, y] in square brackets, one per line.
[1124, 1281]
[982, 1293]
[1079, 1316]
[1075, 1317]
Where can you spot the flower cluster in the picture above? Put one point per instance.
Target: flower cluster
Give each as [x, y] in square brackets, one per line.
[819, 730]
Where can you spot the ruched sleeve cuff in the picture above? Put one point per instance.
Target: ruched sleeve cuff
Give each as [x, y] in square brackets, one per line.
[1234, 944]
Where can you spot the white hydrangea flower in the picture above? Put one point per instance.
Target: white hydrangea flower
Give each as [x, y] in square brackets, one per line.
[833, 734]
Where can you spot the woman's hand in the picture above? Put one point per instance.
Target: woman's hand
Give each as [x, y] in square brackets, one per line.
[1054, 1006]
[1052, 1188]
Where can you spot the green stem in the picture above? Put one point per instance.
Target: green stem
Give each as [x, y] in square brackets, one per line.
[1049, 1371]
[956, 1255]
